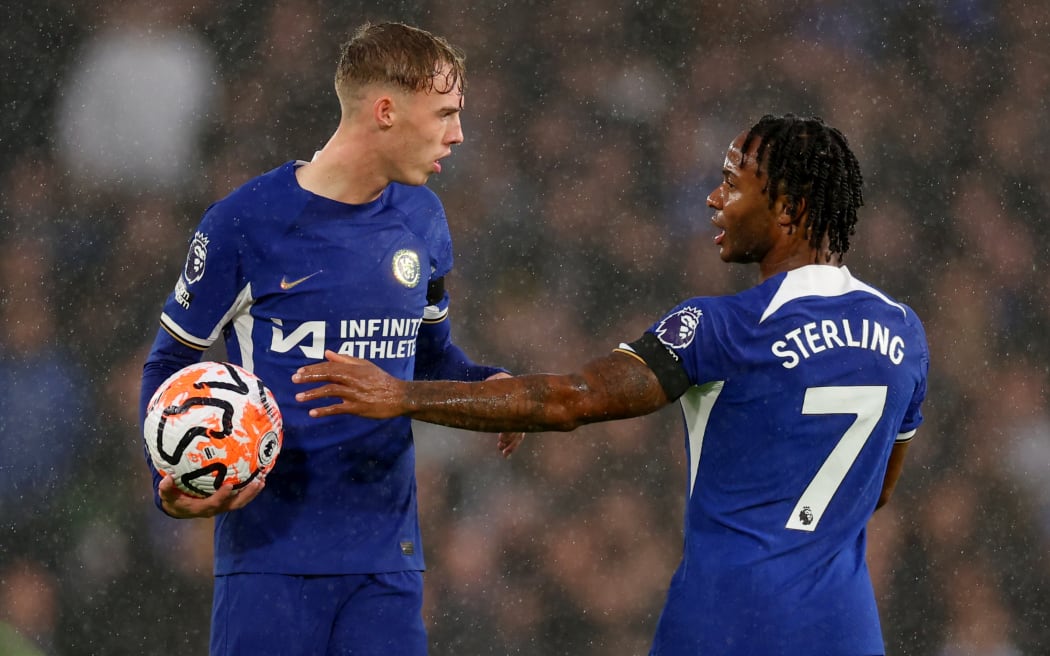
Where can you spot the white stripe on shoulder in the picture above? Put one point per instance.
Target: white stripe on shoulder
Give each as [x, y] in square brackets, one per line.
[820, 280]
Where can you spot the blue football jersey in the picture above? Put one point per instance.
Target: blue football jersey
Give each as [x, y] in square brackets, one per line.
[281, 274]
[800, 388]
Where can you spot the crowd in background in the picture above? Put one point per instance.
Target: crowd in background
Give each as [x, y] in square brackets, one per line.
[594, 131]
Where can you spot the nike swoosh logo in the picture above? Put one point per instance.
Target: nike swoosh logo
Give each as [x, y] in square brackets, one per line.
[288, 284]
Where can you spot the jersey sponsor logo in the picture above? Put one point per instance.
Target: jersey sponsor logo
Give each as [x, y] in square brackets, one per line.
[677, 331]
[195, 260]
[379, 339]
[309, 337]
[406, 267]
[288, 284]
[371, 339]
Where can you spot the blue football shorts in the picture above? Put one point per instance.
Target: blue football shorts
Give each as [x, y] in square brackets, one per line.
[359, 614]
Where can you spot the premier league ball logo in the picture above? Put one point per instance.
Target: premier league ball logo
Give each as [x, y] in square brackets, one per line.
[196, 258]
[677, 330]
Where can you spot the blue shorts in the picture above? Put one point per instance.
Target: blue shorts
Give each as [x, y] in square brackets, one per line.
[360, 614]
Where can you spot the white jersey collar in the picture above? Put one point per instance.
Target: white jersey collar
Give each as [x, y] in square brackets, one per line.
[820, 280]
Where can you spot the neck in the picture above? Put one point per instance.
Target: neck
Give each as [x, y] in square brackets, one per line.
[772, 264]
[344, 171]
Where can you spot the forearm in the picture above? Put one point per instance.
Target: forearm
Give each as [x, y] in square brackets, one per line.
[532, 403]
[612, 387]
[616, 386]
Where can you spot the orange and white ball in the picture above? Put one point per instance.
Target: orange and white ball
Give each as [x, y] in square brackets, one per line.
[210, 424]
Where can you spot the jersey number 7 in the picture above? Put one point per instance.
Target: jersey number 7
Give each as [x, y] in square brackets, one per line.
[866, 403]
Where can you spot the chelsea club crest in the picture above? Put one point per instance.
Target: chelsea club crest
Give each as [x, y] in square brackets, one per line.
[406, 267]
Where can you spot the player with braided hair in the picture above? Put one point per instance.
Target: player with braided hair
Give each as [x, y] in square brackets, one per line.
[799, 396]
[822, 171]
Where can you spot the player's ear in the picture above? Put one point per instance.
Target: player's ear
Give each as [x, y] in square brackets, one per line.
[782, 211]
[383, 112]
[789, 212]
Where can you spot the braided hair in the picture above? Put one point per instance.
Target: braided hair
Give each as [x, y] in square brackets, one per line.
[804, 159]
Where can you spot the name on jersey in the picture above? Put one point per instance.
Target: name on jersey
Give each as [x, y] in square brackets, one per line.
[818, 336]
[370, 339]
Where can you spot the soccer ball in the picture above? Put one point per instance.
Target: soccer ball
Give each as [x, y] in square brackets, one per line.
[213, 423]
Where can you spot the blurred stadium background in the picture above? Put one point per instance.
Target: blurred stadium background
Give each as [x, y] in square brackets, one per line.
[595, 129]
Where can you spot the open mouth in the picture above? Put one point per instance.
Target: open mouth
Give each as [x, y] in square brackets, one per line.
[721, 234]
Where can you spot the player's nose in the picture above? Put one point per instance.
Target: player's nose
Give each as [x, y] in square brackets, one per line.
[454, 134]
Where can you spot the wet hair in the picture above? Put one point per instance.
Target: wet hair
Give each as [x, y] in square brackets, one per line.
[398, 54]
[806, 160]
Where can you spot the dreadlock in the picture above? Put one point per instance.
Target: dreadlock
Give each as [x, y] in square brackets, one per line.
[806, 160]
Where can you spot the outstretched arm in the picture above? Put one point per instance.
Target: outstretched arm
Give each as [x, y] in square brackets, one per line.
[616, 386]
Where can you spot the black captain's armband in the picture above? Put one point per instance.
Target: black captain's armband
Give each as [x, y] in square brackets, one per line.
[665, 364]
[435, 291]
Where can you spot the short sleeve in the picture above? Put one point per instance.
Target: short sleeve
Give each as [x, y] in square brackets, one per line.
[208, 290]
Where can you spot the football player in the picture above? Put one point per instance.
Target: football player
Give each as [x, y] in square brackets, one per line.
[346, 252]
[799, 397]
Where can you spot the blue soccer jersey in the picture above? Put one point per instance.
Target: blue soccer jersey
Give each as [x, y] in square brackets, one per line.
[282, 274]
[800, 388]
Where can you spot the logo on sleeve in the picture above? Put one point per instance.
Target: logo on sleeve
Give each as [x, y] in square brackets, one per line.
[182, 295]
[406, 267]
[678, 329]
[196, 258]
